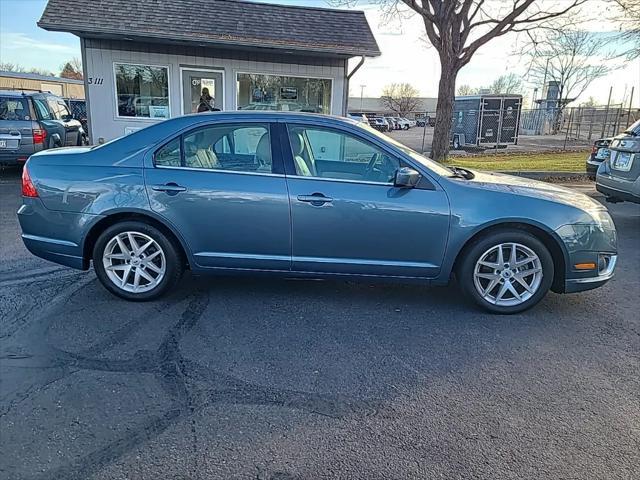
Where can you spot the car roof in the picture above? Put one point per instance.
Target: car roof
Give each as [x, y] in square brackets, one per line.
[264, 115]
[24, 93]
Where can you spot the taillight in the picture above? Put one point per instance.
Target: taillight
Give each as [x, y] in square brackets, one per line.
[39, 135]
[28, 188]
[594, 150]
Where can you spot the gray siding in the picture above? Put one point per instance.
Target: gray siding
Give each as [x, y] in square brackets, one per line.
[100, 55]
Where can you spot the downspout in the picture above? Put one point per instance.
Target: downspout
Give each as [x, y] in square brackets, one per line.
[345, 99]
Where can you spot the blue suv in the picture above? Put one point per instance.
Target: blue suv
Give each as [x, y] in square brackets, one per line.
[35, 121]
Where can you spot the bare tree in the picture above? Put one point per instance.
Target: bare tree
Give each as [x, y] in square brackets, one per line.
[572, 58]
[14, 67]
[465, 89]
[627, 16]
[458, 28]
[401, 98]
[10, 67]
[509, 83]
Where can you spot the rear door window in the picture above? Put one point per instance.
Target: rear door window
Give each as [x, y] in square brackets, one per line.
[14, 108]
[42, 109]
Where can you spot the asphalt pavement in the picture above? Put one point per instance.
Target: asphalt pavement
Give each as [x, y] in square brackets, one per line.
[289, 379]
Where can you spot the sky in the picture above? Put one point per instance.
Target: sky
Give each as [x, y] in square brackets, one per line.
[406, 56]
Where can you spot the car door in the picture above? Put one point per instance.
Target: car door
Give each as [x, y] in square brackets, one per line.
[346, 215]
[223, 188]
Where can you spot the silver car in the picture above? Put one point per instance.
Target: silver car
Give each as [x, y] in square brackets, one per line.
[618, 177]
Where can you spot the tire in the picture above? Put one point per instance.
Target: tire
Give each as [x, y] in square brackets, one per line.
[473, 276]
[168, 264]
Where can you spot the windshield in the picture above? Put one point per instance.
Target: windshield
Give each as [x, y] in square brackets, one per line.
[634, 129]
[421, 159]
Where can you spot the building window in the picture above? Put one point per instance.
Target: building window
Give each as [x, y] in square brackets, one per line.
[142, 91]
[275, 92]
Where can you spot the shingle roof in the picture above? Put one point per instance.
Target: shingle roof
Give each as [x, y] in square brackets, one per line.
[222, 22]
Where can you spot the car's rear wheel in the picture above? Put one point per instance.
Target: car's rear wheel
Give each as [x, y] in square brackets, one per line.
[136, 261]
[506, 271]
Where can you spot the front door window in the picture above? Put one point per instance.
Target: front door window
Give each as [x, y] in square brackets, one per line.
[326, 153]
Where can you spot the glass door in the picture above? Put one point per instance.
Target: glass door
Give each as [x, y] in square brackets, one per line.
[202, 91]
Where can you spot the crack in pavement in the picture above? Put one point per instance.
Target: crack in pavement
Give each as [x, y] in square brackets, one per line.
[180, 378]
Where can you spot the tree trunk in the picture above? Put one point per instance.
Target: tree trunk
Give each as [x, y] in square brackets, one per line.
[444, 110]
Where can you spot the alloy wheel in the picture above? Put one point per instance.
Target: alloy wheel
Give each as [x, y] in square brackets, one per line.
[134, 262]
[508, 274]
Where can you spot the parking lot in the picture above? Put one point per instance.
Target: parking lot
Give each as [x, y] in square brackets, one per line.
[290, 379]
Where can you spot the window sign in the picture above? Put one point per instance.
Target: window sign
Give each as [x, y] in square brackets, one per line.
[288, 93]
[275, 92]
[142, 91]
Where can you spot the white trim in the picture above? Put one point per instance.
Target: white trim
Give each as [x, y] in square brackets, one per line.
[280, 74]
[115, 90]
[210, 70]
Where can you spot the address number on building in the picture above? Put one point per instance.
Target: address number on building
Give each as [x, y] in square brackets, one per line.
[95, 80]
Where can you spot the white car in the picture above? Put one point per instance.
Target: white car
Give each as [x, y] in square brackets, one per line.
[412, 123]
[405, 123]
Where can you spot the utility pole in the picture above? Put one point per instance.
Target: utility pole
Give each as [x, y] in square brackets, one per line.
[606, 114]
[629, 109]
[361, 95]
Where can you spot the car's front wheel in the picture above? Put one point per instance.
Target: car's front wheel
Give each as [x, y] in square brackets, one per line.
[136, 261]
[506, 271]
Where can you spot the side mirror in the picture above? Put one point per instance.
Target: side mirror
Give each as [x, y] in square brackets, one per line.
[406, 178]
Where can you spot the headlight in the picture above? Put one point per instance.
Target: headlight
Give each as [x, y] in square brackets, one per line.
[602, 217]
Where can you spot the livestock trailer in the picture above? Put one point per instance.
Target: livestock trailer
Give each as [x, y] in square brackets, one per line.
[486, 121]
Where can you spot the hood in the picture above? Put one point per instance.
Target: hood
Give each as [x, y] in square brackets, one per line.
[532, 188]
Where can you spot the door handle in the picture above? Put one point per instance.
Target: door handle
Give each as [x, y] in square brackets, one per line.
[170, 188]
[316, 199]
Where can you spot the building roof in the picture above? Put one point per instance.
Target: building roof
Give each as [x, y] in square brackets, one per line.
[43, 78]
[230, 23]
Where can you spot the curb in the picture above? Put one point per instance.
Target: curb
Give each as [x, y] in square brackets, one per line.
[552, 176]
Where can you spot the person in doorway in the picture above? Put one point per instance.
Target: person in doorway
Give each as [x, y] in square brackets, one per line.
[207, 102]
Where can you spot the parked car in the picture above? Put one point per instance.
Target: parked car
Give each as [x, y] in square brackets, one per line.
[359, 117]
[393, 125]
[379, 124]
[426, 120]
[405, 123]
[305, 195]
[618, 176]
[599, 153]
[34, 121]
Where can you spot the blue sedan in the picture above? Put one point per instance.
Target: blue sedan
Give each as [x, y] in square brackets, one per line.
[303, 195]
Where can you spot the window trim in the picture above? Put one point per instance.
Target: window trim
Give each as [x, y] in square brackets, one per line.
[272, 128]
[312, 77]
[115, 91]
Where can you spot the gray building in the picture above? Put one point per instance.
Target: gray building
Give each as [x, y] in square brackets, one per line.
[377, 106]
[148, 60]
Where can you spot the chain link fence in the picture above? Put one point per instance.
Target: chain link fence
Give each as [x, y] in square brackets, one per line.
[578, 123]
